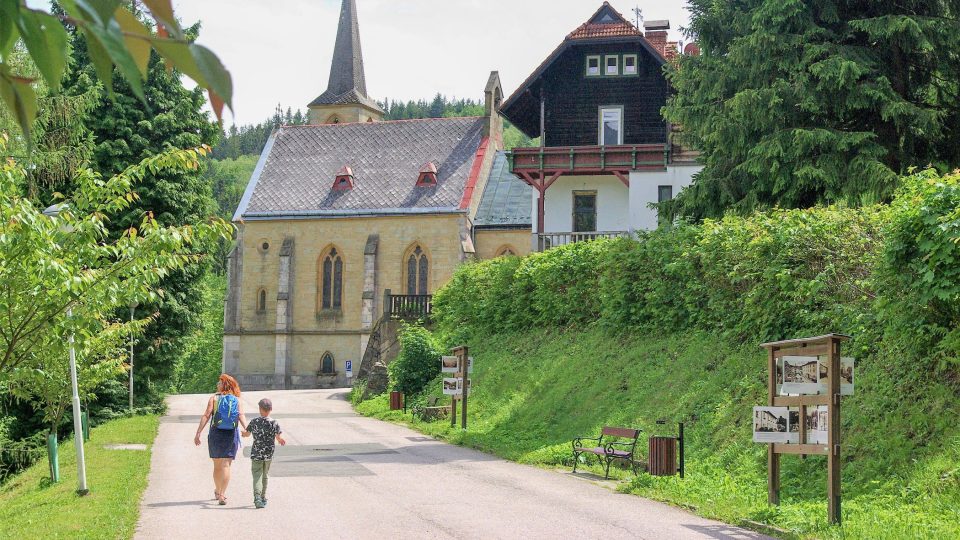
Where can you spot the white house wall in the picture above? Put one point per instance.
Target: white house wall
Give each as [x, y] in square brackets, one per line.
[644, 189]
[613, 203]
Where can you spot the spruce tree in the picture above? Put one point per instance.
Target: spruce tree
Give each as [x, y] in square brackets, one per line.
[126, 130]
[795, 102]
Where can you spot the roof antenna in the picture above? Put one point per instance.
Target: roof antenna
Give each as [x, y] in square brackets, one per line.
[638, 16]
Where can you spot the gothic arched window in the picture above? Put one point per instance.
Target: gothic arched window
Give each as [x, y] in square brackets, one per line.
[506, 251]
[331, 279]
[326, 364]
[262, 300]
[418, 271]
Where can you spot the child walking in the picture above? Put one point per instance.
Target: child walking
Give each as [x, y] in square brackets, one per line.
[264, 430]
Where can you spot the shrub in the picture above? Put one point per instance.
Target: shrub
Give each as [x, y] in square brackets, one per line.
[418, 362]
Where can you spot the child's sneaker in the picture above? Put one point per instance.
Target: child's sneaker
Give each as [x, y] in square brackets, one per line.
[263, 503]
[259, 503]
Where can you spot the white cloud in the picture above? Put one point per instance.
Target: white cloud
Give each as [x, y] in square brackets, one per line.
[278, 51]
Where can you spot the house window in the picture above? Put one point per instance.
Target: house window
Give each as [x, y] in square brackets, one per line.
[611, 65]
[326, 364]
[593, 66]
[261, 301]
[611, 125]
[584, 211]
[506, 251]
[629, 64]
[418, 271]
[664, 193]
[331, 280]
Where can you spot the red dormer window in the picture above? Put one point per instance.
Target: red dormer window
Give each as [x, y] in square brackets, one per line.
[344, 180]
[428, 175]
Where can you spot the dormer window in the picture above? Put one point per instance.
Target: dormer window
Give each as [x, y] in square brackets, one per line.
[344, 180]
[428, 175]
[593, 66]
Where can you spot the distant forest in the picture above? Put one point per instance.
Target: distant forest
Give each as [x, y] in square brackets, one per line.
[250, 139]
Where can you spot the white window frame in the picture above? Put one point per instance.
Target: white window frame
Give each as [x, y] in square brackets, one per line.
[602, 110]
[606, 60]
[636, 67]
[599, 60]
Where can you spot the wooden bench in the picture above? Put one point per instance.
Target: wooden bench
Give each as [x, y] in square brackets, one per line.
[613, 443]
[430, 411]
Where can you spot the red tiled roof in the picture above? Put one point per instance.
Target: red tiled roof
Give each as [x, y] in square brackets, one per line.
[594, 30]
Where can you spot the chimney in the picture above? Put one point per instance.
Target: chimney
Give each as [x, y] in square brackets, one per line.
[656, 34]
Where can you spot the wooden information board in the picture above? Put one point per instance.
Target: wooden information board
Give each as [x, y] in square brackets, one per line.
[827, 346]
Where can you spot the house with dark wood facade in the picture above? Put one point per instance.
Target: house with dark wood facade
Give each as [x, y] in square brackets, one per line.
[605, 149]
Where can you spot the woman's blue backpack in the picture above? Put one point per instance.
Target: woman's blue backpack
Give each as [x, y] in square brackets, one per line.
[228, 412]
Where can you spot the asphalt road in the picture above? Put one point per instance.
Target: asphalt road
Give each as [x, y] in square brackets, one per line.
[346, 476]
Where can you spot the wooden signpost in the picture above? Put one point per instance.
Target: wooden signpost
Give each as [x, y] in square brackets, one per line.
[827, 346]
[463, 374]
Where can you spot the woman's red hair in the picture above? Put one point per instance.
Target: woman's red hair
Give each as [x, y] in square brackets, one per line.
[229, 385]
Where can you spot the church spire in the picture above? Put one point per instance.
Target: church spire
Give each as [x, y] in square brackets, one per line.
[346, 99]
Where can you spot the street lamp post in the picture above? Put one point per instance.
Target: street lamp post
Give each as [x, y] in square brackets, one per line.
[52, 212]
[133, 305]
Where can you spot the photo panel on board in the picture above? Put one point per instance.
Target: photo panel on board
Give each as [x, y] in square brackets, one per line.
[770, 425]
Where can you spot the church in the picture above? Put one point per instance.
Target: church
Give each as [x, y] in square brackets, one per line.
[353, 217]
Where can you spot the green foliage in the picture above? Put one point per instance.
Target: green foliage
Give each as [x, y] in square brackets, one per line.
[357, 390]
[250, 139]
[126, 130]
[792, 103]
[418, 361]
[69, 262]
[117, 40]
[32, 507]
[197, 369]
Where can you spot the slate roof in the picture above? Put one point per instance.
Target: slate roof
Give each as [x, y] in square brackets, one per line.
[347, 83]
[298, 166]
[507, 201]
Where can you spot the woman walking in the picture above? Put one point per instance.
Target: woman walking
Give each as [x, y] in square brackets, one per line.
[223, 439]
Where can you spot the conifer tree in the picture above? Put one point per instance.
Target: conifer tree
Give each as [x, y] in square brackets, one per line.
[127, 130]
[795, 102]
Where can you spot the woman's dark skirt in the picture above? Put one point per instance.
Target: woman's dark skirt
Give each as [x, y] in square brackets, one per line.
[223, 443]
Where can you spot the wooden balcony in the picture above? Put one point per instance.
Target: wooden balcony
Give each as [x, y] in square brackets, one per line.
[545, 241]
[409, 307]
[617, 160]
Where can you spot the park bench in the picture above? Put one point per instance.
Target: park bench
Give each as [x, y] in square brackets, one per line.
[430, 410]
[614, 443]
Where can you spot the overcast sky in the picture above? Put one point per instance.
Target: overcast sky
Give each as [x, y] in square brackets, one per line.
[278, 51]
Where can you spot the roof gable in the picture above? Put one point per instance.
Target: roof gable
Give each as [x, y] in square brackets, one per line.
[606, 22]
[385, 159]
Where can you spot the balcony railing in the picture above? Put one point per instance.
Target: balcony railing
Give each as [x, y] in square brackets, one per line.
[545, 241]
[408, 307]
[589, 159]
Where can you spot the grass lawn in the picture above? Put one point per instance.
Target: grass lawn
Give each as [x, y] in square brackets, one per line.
[30, 507]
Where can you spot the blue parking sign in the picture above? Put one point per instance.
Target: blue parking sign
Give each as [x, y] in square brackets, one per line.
[349, 367]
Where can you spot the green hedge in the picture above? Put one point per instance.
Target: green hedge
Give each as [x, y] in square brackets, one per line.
[877, 272]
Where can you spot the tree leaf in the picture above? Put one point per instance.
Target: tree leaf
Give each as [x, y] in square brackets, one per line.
[46, 39]
[111, 40]
[217, 77]
[8, 30]
[20, 99]
[162, 12]
[139, 47]
[98, 12]
[100, 58]
[177, 54]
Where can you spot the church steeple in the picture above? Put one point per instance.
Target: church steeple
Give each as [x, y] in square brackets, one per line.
[346, 99]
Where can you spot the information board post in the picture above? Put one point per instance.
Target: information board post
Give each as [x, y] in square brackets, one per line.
[461, 353]
[783, 354]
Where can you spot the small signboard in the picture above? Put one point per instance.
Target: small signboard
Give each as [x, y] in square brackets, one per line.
[451, 386]
[817, 424]
[449, 364]
[771, 424]
[349, 368]
[469, 364]
[807, 375]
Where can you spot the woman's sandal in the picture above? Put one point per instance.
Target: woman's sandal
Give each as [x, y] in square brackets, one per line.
[223, 501]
